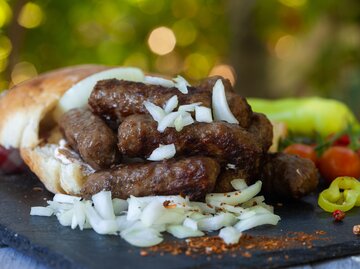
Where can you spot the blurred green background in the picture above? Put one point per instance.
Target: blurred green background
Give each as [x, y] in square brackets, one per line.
[266, 48]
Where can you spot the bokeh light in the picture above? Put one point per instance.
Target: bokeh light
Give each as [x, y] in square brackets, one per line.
[285, 46]
[5, 13]
[169, 64]
[185, 32]
[22, 71]
[31, 15]
[137, 59]
[197, 66]
[224, 70]
[5, 47]
[293, 3]
[162, 40]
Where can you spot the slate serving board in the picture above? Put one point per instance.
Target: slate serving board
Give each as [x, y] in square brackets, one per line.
[60, 247]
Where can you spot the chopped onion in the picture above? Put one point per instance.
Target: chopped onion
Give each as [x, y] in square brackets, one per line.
[152, 212]
[231, 166]
[159, 81]
[156, 112]
[65, 218]
[172, 216]
[257, 220]
[41, 211]
[254, 201]
[220, 106]
[135, 207]
[171, 104]
[167, 121]
[216, 222]
[163, 152]
[239, 184]
[119, 206]
[123, 223]
[179, 123]
[181, 84]
[203, 114]
[237, 210]
[64, 198]
[103, 205]
[190, 223]
[141, 236]
[189, 107]
[205, 208]
[99, 225]
[59, 207]
[79, 217]
[187, 119]
[230, 235]
[236, 197]
[181, 232]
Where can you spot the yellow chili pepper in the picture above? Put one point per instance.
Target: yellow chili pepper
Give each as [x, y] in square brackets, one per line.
[332, 198]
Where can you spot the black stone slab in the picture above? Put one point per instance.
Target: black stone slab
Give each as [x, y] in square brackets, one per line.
[60, 247]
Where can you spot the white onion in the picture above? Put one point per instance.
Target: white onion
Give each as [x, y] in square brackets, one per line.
[230, 235]
[187, 119]
[156, 112]
[203, 114]
[59, 207]
[237, 210]
[152, 212]
[257, 220]
[78, 95]
[220, 106]
[172, 216]
[103, 205]
[163, 152]
[197, 216]
[179, 123]
[236, 197]
[159, 81]
[254, 201]
[135, 208]
[216, 222]
[79, 217]
[181, 84]
[41, 211]
[167, 121]
[181, 232]
[239, 184]
[141, 236]
[171, 104]
[65, 218]
[190, 223]
[119, 206]
[123, 223]
[189, 107]
[64, 198]
[100, 225]
[205, 208]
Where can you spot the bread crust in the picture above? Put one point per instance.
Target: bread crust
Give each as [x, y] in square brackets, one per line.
[21, 110]
[24, 106]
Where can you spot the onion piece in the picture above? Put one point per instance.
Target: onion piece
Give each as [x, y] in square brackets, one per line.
[181, 232]
[171, 216]
[135, 207]
[190, 223]
[257, 220]
[216, 222]
[65, 198]
[189, 107]
[79, 217]
[236, 197]
[179, 123]
[103, 205]
[203, 114]
[205, 208]
[152, 212]
[41, 211]
[171, 104]
[181, 84]
[65, 218]
[162, 152]
[119, 206]
[123, 223]
[78, 95]
[254, 201]
[99, 225]
[187, 119]
[167, 121]
[230, 235]
[156, 112]
[141, 236]
[159, 81]
[220, 106]
[239, 184]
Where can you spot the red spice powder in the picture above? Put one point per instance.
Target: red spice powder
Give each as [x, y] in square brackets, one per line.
[209, 245]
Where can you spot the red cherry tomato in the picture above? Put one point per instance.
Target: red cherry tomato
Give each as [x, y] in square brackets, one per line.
[339, 161]
[343, 141]
[302, 150]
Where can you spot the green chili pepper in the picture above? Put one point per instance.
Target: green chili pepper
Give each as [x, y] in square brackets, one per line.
[307, 116]
[332, 198]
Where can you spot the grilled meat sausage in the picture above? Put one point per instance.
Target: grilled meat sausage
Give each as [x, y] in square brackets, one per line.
[193, 176]
[90, 137]
[288, 176]
[262, 129]
[115, 99]
[228, 143]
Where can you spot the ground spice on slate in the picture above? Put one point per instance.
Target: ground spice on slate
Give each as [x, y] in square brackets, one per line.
[215, 245]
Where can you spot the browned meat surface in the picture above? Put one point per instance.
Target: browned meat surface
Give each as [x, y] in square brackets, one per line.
[115, 99]
[193, 176]
[90, 137]
[227, 143]
[288, 176]
[238, 104]
[262, 129]
[223, 182]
